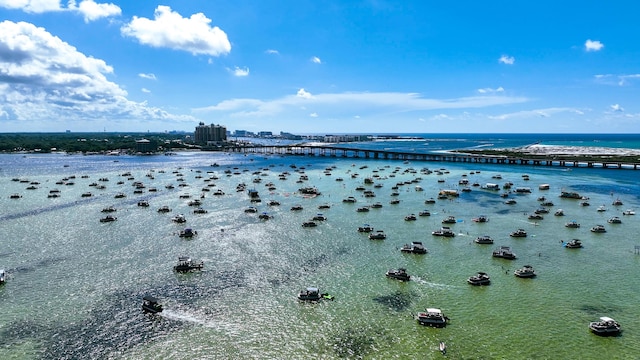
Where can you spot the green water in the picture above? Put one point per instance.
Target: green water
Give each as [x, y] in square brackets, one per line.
[75, 285]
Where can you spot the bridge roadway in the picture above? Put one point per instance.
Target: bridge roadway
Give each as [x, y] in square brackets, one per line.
[337, 151]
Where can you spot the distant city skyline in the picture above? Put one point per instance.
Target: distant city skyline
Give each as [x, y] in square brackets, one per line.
[308, 67]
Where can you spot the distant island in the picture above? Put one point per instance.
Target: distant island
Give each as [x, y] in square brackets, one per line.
[564, 153]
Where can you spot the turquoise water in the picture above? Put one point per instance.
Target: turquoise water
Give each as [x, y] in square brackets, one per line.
[75, 285]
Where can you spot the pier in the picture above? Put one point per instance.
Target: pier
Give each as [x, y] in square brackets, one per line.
[347, 152]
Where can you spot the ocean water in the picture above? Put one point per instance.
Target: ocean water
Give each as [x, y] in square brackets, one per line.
[74, 285]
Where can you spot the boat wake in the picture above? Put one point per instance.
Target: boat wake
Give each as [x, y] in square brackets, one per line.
[422, 281]
[179, 316]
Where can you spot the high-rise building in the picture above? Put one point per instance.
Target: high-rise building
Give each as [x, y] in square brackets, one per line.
[208, 134]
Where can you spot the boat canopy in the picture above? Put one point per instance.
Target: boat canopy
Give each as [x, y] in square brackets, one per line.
[434, 310]
[313, 289]
[605, 318]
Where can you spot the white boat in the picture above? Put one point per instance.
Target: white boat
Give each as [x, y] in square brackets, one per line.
[399, 274]
[186, 264]
[309, 294]
[628, 212]
[504, 252]
[483, 239]
[415, 247]
[573, 244]
[444, 231]
[525, 272]
[432, 317]
[481, 278]
[179, 219]
[3, 276]
[598, 229]
[378, 235]
[605, 327]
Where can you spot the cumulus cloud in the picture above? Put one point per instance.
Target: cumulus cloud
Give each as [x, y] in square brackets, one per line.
[272, 52]
[147, 76]
[94, 11]
[240, 72]
[593, 45]
[45, 79]
[303, 94]
[145, 90]
[170, 30]
[88, 8]
[313, 115]
[32, 6]
[506, 59]
[616, 108]
[316, 60]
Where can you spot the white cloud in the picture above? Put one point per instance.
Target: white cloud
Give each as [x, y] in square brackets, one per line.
[87, 8]
[490, 90]
[170, 30]
[45, 80]
[593, 45]
[350, 104]
[616, 108]
[32, 6]
[272, 52]
[505, 59]
[147, 76]
[313, 115]
[537, 113]
[303, 94]
[145, 90]
[94, 11]
[612, 79]
[316, 60]
[240, 72]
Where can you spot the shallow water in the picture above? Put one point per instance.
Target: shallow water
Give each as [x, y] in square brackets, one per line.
[75, 285]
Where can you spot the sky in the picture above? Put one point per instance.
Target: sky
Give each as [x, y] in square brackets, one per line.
[320, 67]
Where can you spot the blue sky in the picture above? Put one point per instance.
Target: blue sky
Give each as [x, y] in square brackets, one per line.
[308, 66]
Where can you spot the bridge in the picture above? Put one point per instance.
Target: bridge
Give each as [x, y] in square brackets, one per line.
[347, 152]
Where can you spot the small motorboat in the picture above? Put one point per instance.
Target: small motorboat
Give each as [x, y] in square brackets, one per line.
[605, 327]
[151, 305]
[415, 247]
[504, 252]
[572, 224]
[483, 239]
[186, 264]
[518, 233]
[179, 219]
[188, 233]
[443, 348]
[444, 231]
[108, 218]
[449, 220]
[143, 203]
[319, 217]
[481, 278]
[559, 212]
[573, 244]
[378, 235]
[614, 220]
[481, 219]
[108, 209]
[310, 294]
[309, 224]
[398, 274]
[410, 217]
[525, 272]
[366, 228]
[628, 212]
[3, 276]
[598, 229]
[432, 317]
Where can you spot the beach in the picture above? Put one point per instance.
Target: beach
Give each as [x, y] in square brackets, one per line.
[75, 285]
